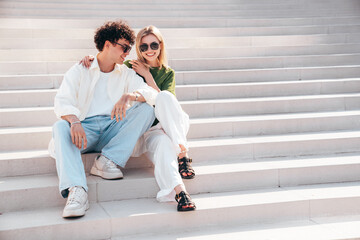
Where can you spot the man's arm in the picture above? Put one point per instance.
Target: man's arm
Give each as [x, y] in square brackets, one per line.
[66, 101]
[78, 136]
[119, 110]
[136, 84]
[66, 106]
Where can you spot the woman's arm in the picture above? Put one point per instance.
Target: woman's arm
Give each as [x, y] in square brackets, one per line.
[144, 71]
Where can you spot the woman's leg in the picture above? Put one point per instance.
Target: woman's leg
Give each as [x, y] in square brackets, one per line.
[175, 123]
[173, 119]
[162, 153]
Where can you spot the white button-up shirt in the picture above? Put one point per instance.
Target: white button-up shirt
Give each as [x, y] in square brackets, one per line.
[77, 89]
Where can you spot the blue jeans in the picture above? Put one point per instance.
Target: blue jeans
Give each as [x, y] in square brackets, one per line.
[115, 140]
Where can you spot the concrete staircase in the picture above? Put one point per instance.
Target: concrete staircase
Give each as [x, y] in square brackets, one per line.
[272, 89]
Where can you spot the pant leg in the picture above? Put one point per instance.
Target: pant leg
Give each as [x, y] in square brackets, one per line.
[162, 153]
[69, 165]
[120, 138]
[172, 118]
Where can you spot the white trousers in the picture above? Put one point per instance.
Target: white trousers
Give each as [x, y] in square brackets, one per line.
[161, 144]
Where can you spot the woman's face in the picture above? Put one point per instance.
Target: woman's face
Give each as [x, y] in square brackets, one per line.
[150, 48]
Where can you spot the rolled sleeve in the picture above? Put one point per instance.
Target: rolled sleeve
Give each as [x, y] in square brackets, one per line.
[149, 95]
[138, 85]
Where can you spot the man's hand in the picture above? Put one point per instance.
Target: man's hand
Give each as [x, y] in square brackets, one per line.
[119, 110]
[77, 132]
[78, 135]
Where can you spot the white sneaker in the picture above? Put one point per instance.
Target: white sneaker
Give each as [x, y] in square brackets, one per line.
[105, 168]
[77, 203]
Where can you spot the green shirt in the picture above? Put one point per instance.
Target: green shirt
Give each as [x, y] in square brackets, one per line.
[164, 79]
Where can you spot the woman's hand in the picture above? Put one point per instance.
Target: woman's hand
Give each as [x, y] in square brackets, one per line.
[87, 60]
[139, 68]
[119, 110]
[144, 71]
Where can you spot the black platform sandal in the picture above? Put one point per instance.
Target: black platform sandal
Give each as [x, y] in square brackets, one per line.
[185, 167]
[184, 202]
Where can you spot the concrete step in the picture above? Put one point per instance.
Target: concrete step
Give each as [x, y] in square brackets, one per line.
[116, 11]
[87, 33]
[184, 53]
[39, 162]
[48, 81]
[273, 124]
[291, 145]
[300, 203]
[195, 42]
[263, 89]
[37, 138]
[238, 176]
[143, 5]
[131, 6]
[212, 2]
[339, 227]
[32, 138]
[27, 117]
[45, 97]
[13, 117]
[260, 75]
[34, 81]
[270, 105]
[190, 22]
[214, 127]
[27, 98]
[142, 2]
[198, 64]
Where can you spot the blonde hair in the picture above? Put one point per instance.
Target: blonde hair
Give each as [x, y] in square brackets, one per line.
[162, 59]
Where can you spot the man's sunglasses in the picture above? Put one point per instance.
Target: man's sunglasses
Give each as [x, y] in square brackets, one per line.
[144, 47]
[126, 48]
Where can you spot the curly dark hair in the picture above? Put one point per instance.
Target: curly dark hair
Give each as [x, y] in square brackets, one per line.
[113, 31]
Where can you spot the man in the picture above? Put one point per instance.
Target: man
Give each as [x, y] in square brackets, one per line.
[94, 105]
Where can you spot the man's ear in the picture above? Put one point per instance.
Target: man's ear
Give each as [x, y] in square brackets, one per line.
[107, 44]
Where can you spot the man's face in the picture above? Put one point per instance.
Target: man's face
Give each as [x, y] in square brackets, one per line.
[119, 51]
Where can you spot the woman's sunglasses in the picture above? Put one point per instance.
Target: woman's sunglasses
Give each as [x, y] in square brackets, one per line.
[144, 47]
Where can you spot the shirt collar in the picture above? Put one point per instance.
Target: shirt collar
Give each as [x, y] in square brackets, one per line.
[95, 65]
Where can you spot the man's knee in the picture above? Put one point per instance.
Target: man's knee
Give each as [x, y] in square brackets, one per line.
[146, 109]
[61, 127]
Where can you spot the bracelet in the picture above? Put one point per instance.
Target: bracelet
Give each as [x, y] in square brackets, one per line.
[76, 122]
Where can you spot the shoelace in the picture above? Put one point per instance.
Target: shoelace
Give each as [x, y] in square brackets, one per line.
[74, 196]
[110, 164]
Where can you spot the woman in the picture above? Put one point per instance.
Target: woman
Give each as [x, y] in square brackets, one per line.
[165, 143]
